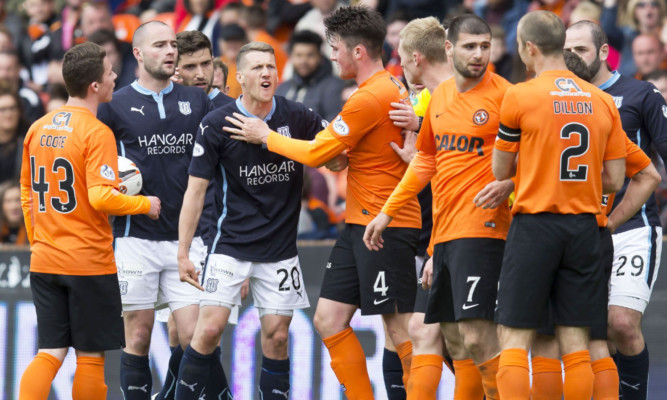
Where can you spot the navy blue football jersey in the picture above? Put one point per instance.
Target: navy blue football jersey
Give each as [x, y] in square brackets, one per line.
[219, 99]
[257, 192]
[157, 131]
[644, 117]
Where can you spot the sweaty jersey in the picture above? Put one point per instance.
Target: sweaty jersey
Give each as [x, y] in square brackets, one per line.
[459, 129]
[64, 153]
[374, 168]
[258, 193]
[644, 116]
[635, 161]
[156, 131]
[563, 128]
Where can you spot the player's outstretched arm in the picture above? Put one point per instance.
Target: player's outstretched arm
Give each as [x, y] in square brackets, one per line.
[109, 200]
[640, 188]
[503, 164]
[494, 194]
[373, 234]
[193, 204]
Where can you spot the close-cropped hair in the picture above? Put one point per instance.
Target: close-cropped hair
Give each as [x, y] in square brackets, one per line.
[426, 36]
[252, 46]
[597, 33]
[358, 25]
[545, 30]
[306, 37]
[469, 24]
[83, 64]
[190, 41]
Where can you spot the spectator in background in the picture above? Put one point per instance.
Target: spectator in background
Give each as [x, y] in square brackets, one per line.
[315, 219]
[312, 83]
[253, 19]
[659, 79]
[35, 49]
[57, 97]
[12, 228]
[95, 16]
[120, 54]
[220, 74]
[591, 11]
[500, 59]
[562, 8]
[69, 32]
[647, 54]
[313, 20]
[12, 24]
[202, 16]
[622, 26]
[505, 13]
[6, 39]
[395, 24]
[232, 38]
[12, 131]
[10, 69]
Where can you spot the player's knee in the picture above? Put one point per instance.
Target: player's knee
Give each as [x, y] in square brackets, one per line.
[623, 328]
[277, 339]
[211, 334]
[325, 324]
[418, 331]
[139, 339]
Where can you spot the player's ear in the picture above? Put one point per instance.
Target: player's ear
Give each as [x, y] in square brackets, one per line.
[604, 52]
[449, 48]
[137, 53]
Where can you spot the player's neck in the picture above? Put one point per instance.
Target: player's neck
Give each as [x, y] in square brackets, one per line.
[435, 75]
[464, 84]
[154, 85]
[87, 103]
[552, 63]
[603, 75]
[368, 69]
[257, 108]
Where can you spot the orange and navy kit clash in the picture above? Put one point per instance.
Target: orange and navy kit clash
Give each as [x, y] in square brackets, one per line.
[374, 168]
[456, 144]
[581, 130]
[68, 236]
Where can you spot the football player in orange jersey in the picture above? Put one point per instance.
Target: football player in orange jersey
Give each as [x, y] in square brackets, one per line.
[552, 252]
[68, 187]
[377, 283]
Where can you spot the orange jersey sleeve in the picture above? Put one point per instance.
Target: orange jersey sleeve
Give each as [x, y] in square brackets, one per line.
[65, 153]
[459, 130]
[108, 200]
[563, 128]
[419, 174]
[313, 153]
[635, 161]
[374, 168]
[27, 213]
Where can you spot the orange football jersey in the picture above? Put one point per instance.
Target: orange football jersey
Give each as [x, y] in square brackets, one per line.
[563, 128]
[64, 153]
[459, 129]
[374, 168]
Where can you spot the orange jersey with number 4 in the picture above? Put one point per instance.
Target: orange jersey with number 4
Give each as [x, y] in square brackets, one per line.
[64, 153]
[563, 128]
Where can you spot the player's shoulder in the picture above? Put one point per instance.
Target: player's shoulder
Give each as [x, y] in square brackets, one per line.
[382, 84]
[498, 82]
[285, 106]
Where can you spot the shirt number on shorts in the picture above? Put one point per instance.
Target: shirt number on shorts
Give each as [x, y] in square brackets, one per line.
[580, 173]
[296, 279]
[66, 185]
[637, 262]
[475, 281]
[380, 284]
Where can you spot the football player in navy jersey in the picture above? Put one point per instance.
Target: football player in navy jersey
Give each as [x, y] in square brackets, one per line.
[258, 199]
[154, 122]
[637, 242]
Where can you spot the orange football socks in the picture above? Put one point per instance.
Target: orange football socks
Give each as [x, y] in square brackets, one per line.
[425, 377]
[547, 379]
[404, 351]
[488, 370]
[89, 379]
[468, 381]
[605, 386]
[37, 378]
[513, 375]
[348, 362]
[578, 376]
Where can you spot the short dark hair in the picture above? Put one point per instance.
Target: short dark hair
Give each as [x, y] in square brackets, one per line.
[306, 37]
[104, 36]
[83, 64]
[598, 34]
[210, 6]
[254, 16]
[656, 75]
[544, 29]
[577, 65]
[252, 46]
[191, 41]
[357, 25]
[467, 23]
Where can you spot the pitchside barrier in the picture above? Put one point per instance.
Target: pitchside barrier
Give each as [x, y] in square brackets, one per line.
[311, 375]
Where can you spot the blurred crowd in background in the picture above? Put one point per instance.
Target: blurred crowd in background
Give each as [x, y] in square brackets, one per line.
[35, 34]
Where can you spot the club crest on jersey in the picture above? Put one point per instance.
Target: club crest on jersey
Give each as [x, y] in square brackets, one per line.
[107, 172]
[198, 150]
[184, 107]
[481, 117]
[123, 287]
[618, 101]
[340, 127]
[664, 111]
[211, 285]
[284, 130]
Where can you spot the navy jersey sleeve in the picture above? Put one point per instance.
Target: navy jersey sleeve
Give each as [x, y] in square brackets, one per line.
[208, 146]
[654, 118]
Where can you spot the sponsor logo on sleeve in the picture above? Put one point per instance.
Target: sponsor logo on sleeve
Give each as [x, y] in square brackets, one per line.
[184, 107]
[664, 111]
[198, 150]
[340, 127]
[107, 172]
